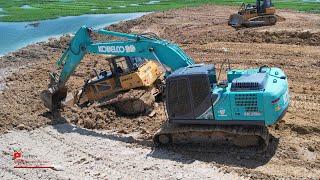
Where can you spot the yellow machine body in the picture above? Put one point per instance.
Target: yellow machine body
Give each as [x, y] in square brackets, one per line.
[255, 15]
[109, 86]
[145, 76]
[248, 14]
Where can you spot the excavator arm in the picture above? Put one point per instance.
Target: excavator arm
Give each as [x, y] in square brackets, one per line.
[132, 45]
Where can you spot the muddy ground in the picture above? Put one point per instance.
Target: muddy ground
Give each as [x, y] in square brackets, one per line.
[293, 45]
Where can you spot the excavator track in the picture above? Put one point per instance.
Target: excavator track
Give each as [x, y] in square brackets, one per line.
[238, 135]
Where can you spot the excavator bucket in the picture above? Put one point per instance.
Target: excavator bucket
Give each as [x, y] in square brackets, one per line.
[52, 98]
[235, 20]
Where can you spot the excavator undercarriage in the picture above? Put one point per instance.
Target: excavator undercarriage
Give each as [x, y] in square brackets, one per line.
[238, 135]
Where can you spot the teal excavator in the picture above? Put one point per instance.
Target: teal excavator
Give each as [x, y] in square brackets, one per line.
[198, 106]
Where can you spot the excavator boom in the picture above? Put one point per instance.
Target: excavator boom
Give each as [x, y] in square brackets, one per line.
[134, 45]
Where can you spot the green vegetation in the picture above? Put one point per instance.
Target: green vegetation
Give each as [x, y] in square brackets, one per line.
[31, 10]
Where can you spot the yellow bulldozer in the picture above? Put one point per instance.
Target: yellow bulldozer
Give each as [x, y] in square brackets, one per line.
[131, 85]
[260, 14]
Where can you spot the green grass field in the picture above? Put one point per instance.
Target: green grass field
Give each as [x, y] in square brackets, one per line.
[32, 10]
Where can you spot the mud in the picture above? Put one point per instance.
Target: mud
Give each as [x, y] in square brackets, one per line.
[202, 32]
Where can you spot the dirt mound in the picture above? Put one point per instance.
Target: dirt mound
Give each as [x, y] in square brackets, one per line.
[278, 37]
[94, 117]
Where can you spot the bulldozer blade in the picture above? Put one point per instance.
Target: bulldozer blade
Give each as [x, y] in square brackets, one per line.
[52, 98]
[235, 20]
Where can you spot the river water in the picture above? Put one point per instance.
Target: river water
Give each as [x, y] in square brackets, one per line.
[15, 35]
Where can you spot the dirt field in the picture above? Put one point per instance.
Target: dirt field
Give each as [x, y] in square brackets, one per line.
[107, 156]
[293, 45]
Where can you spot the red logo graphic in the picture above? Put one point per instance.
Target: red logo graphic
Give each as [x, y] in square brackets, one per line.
[16, 153]
[28, 161]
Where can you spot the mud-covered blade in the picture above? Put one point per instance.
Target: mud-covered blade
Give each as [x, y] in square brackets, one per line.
[235, 20]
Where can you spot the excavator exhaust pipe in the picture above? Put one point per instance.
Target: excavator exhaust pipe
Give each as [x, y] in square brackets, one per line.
[52, 98]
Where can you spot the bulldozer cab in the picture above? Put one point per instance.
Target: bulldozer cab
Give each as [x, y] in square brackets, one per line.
[261, 6]
[121, 65]
[264, 6]
[109, 82]
[248, 10]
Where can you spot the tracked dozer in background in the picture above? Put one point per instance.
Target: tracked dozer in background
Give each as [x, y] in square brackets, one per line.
[260, 14]
[199, 106]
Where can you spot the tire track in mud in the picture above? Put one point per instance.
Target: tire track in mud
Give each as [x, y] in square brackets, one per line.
[88, 154]
[12, 173]
[305, 101]
[73, 152]
[71, 146]
[27, 149]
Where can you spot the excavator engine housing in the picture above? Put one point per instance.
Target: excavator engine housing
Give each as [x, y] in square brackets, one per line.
[242, 106]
